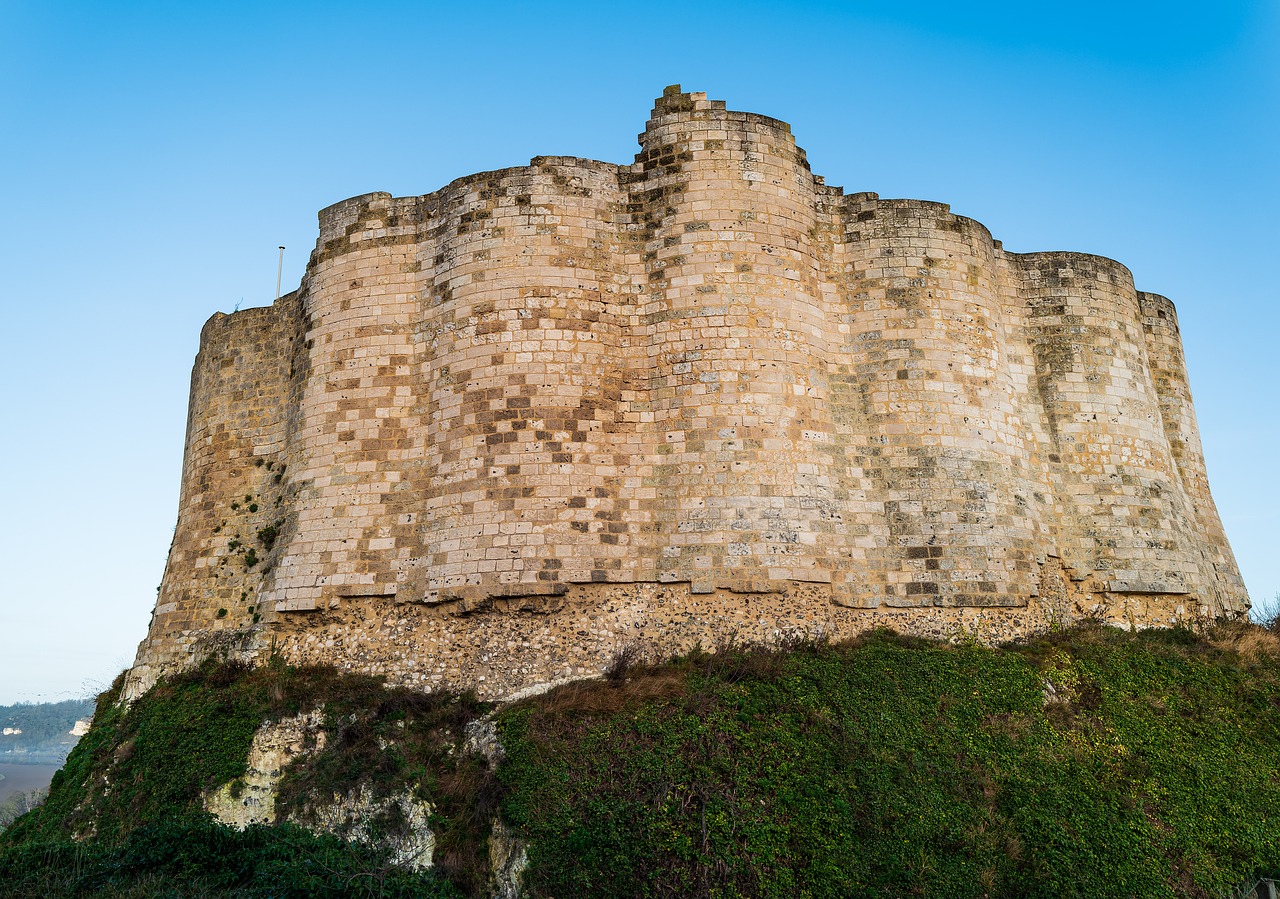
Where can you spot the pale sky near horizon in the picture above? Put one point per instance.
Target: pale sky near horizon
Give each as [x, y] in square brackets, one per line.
[154, 156]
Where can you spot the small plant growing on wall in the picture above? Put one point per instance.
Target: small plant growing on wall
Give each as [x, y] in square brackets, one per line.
[250, 558]
[267, 536]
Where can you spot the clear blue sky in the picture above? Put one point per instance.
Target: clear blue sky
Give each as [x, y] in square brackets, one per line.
[154, 155]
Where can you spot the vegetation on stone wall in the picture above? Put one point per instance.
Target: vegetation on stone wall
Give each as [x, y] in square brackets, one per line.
[1089, 763]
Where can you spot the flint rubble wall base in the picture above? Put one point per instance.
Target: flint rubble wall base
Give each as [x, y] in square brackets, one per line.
[518, 644]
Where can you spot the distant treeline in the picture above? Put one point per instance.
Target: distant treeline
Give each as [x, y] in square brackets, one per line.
[45, 730]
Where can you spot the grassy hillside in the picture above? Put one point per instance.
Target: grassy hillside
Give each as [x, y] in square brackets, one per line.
[1090, 763]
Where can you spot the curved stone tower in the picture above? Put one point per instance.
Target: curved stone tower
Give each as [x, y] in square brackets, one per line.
[503, 430]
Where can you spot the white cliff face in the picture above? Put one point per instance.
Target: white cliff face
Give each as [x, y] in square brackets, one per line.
[400, 822]
[251, 799]
[508, 857]
[356, 817]
[508, 850]
[80, 728]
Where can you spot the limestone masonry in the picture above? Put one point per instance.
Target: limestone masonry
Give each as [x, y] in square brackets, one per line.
[506, 429]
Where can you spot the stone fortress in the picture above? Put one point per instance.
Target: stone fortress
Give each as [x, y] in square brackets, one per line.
[504, 430]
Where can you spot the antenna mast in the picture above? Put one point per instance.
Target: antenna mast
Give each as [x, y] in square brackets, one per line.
[279, 269]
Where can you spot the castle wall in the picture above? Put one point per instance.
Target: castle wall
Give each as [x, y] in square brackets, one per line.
[1129, 520]
[925, 346]
[349, 448]
[521, 379]
[1221, 580]
[235, 427]
[504, 429]
[735, 332]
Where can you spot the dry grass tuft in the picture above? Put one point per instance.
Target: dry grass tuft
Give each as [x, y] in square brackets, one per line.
[638, 684]
[1249, 640]
[623, 661]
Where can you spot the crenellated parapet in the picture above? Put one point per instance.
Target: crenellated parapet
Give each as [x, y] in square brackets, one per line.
[503, 429]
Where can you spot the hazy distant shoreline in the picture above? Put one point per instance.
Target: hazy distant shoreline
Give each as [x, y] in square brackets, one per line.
[24, 778]
[38, 759]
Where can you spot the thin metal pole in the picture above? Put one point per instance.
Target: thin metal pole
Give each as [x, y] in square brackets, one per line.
[279, 270]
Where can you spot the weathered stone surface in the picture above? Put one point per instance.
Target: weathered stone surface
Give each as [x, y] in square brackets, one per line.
[251, 799]
[505, 428]
[411, 844]
[509, 856]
